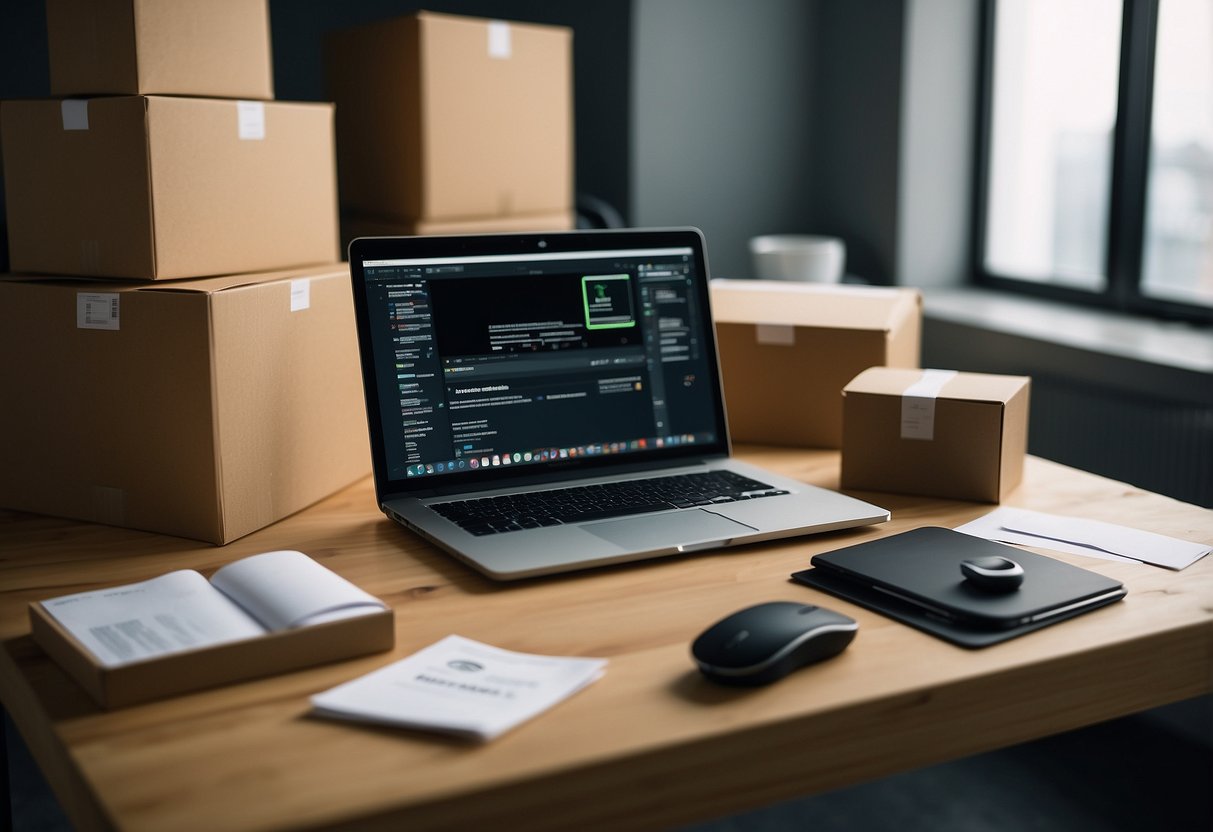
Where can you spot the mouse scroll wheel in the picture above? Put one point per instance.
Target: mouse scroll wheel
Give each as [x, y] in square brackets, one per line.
[806, 609]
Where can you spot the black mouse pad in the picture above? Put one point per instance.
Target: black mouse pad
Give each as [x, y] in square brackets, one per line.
[914, 577]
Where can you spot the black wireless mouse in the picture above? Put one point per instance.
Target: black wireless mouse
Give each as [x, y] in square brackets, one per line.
[761, 644]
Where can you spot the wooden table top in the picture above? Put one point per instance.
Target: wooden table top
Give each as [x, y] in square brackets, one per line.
[652, 744]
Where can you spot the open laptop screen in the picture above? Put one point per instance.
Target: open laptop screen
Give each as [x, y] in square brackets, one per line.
[504, 355]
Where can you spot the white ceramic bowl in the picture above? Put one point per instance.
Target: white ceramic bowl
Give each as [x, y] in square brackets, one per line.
[804, 257]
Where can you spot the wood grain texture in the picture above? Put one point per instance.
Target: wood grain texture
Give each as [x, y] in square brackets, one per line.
[650, 745]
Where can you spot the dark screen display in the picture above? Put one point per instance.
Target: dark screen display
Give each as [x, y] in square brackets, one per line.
[553, 359]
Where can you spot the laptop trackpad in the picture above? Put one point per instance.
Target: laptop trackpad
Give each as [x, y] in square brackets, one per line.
[691, 529]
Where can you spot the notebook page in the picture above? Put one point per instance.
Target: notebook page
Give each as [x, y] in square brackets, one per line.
[174, 612]
[288, 589]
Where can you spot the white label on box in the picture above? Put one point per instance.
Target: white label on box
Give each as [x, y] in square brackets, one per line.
[499, 39]
[301, 294]
[97, 310]
[918, 404]
[250, 120]
[781, 334]
[75, 113]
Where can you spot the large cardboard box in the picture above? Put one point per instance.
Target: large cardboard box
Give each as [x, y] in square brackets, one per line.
[204, 408]
[788, 349]
[215, 48]
[446, 118]
[939, 433]
[150, 187]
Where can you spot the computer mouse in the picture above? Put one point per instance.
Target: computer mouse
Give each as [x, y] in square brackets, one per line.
[763, 643]
[992, 574]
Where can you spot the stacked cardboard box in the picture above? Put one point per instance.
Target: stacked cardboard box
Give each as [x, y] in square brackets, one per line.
[451, 124]
[787, 349]
[138, 185]
[216, 405]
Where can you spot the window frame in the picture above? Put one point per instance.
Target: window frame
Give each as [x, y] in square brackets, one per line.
[1130, 172]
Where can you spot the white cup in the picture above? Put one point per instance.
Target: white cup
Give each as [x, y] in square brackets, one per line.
[798, 257]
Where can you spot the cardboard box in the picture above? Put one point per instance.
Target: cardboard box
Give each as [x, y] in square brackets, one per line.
[215, 48]
[787, 350]
[148, 187]
[268, 655]
[938, 433]
[354, 227]
[206, 409]
[448, 118]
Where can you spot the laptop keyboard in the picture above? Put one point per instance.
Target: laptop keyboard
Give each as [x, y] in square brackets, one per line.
[530, 510]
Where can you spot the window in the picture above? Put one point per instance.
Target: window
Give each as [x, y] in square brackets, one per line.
[1097, 153]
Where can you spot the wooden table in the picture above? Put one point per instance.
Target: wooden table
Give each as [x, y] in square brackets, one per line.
[650, 745]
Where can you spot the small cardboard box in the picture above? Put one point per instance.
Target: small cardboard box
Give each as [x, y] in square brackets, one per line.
[937, 433]
[788, 349]
[151, 188]
[442, 117]
[217, 48]
[268, 655]
[205, 409]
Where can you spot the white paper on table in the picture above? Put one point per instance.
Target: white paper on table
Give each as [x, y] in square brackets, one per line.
[462, 687]
[1091, 538]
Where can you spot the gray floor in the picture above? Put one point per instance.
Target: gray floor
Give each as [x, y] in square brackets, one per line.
[1153, 771]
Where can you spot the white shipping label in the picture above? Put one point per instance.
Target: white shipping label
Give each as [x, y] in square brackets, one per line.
[499, 39]
[918, 404]
[301, 294]
[75, 113]
[780, 334]
[97, 310]
[250, 120]
[917, 417]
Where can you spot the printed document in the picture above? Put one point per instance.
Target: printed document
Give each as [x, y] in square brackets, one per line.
[461, 687]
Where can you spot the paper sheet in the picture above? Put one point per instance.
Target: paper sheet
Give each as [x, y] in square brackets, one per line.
[462, 687]
[1091, 538]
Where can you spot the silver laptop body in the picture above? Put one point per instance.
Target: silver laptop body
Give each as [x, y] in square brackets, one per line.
[540, 403]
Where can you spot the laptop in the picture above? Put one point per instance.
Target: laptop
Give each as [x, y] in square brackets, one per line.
[540, 403]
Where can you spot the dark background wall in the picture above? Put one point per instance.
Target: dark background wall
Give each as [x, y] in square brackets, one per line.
[724, 118]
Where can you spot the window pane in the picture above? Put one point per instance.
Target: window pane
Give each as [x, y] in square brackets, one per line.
[1056, 64]
[1178, 258]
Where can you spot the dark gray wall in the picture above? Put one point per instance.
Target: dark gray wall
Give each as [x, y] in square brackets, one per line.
[24, 72]
[723, 117]
[858, 118]
[852, 119]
